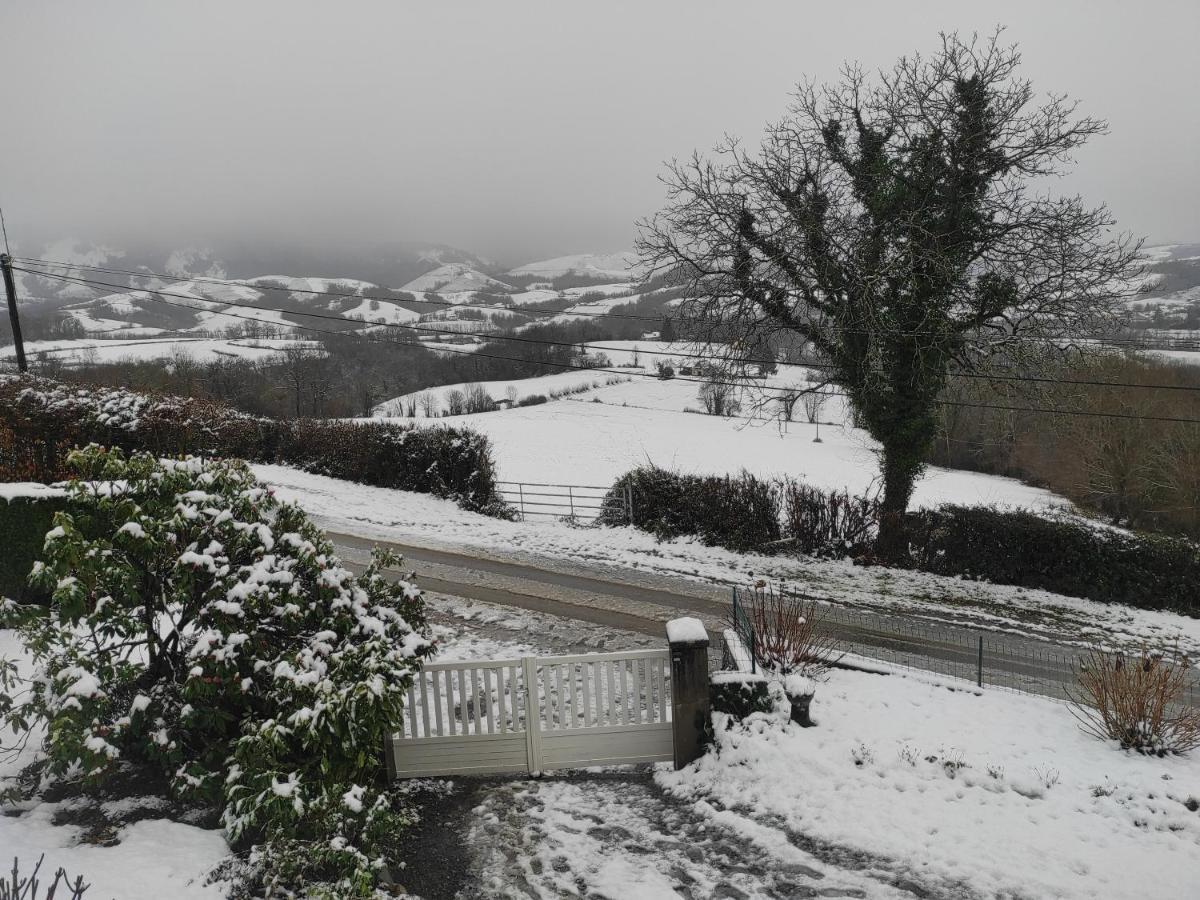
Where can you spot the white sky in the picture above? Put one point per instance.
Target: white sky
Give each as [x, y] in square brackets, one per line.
[515, 129]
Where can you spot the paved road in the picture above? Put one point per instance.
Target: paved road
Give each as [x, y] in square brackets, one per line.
[643, 602]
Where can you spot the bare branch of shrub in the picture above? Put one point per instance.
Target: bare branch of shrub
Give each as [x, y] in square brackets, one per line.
[789, 635]
[1137, 700]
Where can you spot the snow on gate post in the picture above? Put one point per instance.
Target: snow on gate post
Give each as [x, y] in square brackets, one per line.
[689, 687]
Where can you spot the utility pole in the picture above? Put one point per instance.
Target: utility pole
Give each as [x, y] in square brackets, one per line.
[10, 288]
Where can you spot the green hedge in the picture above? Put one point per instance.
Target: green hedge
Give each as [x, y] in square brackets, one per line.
[740, 513]
[740, 694]
[24, 522]
[41, 420]
[1066, 557]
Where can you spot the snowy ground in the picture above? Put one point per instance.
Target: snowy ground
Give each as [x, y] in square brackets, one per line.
[778, 812]
[422, 520]
[608, 833]
[968, 795]
[91, 350]
[149, 859]
[594, 437]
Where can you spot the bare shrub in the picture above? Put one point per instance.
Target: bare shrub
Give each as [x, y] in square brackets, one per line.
[1137, 700]
[788, 633]
[814, 402]
[828, 523]
[456, 402]
[19, 888]
[477, 399]
[719, 398]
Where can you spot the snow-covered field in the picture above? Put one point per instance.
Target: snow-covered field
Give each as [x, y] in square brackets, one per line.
[595, 437]
[141, 350]
[971, 795]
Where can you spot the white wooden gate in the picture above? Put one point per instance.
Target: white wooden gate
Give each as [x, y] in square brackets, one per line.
[536, 714]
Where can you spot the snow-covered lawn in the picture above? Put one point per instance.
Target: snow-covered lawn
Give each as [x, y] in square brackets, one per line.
[422, 520]
[990, 795]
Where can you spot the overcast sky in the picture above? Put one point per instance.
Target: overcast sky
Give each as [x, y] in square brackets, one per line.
[518, 130]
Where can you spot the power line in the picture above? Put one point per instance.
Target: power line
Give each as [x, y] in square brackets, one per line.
[482, 354]
[993, 338]
[355, 296]
[982, 376]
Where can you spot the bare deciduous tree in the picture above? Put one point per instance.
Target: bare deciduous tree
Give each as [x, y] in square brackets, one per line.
[897, 224]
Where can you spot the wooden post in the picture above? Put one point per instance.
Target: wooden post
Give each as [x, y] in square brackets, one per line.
[10, 288]
[689, 688]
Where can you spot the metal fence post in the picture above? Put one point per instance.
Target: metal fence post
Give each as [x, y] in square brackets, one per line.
[521, 492]
[979, 665]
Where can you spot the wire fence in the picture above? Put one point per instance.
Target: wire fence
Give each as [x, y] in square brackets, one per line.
[987, 659]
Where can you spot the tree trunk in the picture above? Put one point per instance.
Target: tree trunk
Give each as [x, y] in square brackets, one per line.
[900, 465]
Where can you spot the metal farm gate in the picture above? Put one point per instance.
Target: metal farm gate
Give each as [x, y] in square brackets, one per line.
[536, 714]
[572, 502]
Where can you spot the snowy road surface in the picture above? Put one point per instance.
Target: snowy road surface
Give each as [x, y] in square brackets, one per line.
[602, 598]
[636, 558]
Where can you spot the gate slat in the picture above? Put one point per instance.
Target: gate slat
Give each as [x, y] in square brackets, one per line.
[558, 700]
[470, 700]
[624, 692]
[586, 671]
[612, 695]
[513, 685]
[437, 702]
[500, 689]
[450, 700]
[487, 694]
[412, 705]
[424, 703]
[636, 696]
[576, 673]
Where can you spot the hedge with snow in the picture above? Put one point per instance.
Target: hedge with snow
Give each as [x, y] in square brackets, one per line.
[207, 634]
[41, 420]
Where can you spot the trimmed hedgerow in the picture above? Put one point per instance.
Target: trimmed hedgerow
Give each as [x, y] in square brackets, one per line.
[1061, 555]
[42, 420]
[1073, 558]
[737, 512]
[24, 521]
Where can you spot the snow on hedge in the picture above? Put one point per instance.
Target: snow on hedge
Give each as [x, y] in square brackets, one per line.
[970, 794]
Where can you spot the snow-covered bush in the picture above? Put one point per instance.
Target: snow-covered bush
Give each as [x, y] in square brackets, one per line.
[26, 512]
[1151, 571]
[740, 513]
[740, 694]
[1137, 700]
[204, 632]
[42, 420]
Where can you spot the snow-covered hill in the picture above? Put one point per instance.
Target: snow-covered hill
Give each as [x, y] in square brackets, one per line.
[621, 266]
